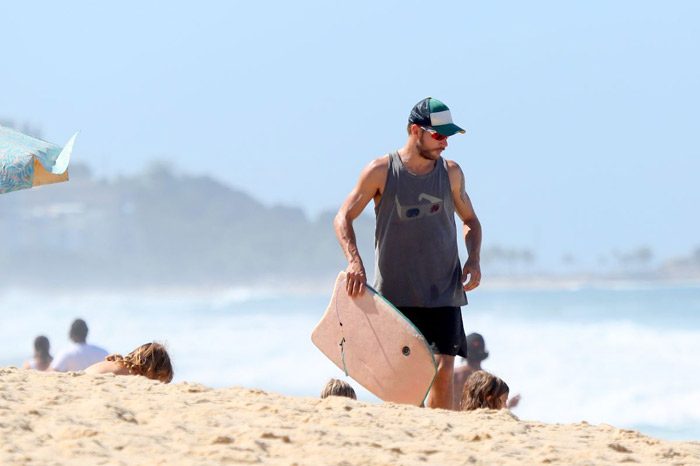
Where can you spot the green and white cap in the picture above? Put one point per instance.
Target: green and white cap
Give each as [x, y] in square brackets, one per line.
[431, 112]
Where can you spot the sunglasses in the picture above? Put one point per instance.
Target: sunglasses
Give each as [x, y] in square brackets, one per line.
[434, 134]
[411, 212]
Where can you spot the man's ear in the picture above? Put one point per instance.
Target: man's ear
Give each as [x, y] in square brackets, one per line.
[415, 129]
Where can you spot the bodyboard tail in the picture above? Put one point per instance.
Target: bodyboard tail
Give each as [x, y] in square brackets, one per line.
[376, 345]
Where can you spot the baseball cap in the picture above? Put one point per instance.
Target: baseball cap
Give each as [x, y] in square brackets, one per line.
[431, 112]
[475, 347]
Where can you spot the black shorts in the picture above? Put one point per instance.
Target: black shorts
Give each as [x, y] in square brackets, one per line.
[441, 326]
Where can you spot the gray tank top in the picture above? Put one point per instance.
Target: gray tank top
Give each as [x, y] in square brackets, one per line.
[415, 239]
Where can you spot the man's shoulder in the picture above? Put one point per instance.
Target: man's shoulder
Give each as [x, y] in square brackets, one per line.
[465, 370]
[376, 171]
[94, 349]
[454, 171]
[452, 165]
[68, 351]
[380, 163]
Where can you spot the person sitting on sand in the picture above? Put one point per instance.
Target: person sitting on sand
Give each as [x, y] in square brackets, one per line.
[150, 360]
[42, 359]
[476, 352]
[336, 387]
[80, 354]
[484, 390]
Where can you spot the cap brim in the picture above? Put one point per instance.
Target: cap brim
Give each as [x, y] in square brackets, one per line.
[449, 129]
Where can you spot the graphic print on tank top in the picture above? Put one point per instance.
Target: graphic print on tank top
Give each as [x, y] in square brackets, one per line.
[416, 211]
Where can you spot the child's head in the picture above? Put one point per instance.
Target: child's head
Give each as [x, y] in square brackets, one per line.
[336, 387]
[150, 360]
[484, 390]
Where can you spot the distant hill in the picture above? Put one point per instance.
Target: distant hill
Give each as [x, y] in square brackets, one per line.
[161, 229]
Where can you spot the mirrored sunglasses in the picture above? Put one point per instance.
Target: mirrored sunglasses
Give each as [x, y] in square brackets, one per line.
[434, 134]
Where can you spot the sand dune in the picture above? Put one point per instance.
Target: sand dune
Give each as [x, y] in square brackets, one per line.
[49, 418]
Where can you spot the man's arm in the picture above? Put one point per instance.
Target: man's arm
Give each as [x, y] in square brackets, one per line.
[370, 186]
[57, 364]
[471, 226]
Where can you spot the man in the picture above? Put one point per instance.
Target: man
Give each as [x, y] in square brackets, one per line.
[416, 194]
[476, 352]
[79, 355]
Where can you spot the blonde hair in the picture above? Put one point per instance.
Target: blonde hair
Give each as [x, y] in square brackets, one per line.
[150, 360]
[483, 390]
[336, 387]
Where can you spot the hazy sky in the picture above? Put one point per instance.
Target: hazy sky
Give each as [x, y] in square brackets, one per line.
[582, 117]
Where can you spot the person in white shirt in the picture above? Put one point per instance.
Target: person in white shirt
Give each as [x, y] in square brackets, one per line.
[79, 355]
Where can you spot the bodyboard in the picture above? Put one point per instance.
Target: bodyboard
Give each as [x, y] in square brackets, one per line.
[376, 345]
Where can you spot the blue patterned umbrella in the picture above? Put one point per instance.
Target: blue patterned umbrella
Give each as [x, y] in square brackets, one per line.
[26, 162]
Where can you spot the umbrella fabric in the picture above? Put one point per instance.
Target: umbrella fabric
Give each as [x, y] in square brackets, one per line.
[26, 161]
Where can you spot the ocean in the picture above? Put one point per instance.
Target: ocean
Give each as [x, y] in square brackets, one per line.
[627, 355]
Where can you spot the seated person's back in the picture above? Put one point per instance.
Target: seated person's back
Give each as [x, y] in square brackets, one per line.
[79, 355]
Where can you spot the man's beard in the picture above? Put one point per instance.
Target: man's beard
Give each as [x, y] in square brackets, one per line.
[433, 154]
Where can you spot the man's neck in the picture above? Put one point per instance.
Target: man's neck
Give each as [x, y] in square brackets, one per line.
[474, 365]
[413, 161]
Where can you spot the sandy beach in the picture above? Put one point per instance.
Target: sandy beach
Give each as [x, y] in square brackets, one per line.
[71, 418]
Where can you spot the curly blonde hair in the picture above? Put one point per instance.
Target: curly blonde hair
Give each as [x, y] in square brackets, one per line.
[483, 390]
[150, 360]
[335, 387]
